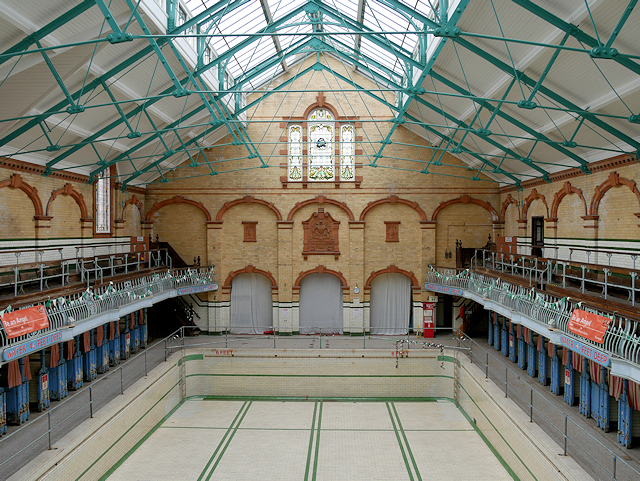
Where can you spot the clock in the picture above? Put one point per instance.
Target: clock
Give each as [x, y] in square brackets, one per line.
[356, 289]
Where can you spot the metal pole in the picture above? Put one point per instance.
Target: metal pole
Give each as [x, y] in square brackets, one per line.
[91, 403]
[531, 408]
[364, 339]
[121, 386]
[274, 338]
[486, 368]
[49, 431]
[615, 460]
[145, 363]
[565, 434]
[165, 349]
[506, 385]
[226, 338]
[320, 338]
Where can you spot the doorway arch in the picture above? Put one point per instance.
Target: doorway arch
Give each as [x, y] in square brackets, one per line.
[321, 304]
[390, 304]
[251, 304]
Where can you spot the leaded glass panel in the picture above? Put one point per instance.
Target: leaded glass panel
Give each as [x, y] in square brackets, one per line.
[347, 152]
[321, 134]
[103, 203]
[295, 153]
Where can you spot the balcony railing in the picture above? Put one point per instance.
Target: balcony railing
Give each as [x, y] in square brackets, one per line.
[78, 308]
[621, 338]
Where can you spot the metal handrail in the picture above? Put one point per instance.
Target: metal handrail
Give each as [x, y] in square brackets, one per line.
[501, 379]
[545, 271]
[78, 308]
[621, 339]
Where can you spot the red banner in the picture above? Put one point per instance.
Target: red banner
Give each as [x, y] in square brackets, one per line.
[24, 321]
[588, 325]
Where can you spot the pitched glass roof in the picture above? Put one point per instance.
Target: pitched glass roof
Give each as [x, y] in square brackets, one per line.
[342, 21]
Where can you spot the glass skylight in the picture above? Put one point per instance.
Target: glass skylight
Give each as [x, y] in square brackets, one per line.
[393, 28]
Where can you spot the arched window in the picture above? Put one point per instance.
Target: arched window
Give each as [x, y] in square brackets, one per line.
[321, 157]
[103, 203]
[321, 132]
[295, 153]
[347, 152]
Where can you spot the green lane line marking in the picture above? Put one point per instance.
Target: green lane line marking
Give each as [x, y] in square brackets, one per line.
[325, 398]
[194, 357]
[488, 443]
[229, 441]
[221, 442]
[313, 425]
[128, 430]
[315, 458]
[448, 359]
[138, 444]
[325, 375]
[406, 441]
[406, 461]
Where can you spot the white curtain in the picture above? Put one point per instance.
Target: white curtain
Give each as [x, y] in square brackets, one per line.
[390, 304]
[251, 304]
[321, 304]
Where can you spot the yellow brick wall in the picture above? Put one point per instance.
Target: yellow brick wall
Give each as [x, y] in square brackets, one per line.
[468, 222]
[617, 208]
[16, 214]
[404, 254]
[237, 254]
[183, 226]
[279, 250]
[66, 218]
[132, 226]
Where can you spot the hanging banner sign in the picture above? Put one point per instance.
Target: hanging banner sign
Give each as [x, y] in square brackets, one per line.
[588, 325]
[24, 321]
[445, 290]
[21, 350]
[588, 352]
[194, 290]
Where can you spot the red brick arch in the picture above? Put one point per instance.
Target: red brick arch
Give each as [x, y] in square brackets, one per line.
[247, 199]
[321, 104]
[467, 199]
[75, 195]
[505, 205]
[394, 199]
[567, 189]
[534, 195]
[393, 270]
[178, 199]
[614, 180]
[16, 182]
[321, 270]
[321, 199]
[136, 202]
[250, 270]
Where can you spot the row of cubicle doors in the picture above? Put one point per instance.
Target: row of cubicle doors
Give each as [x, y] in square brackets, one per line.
[321, 304]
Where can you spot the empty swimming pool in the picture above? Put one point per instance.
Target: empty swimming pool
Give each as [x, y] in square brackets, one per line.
[212, 439]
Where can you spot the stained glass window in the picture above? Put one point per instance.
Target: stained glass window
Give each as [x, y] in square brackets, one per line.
[347, 152]
[321, 132]
[103, 203]
[295, 153]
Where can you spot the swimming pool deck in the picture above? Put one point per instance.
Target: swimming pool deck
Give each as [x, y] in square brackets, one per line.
[314, 440]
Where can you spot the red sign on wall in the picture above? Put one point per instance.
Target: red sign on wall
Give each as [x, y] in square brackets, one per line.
[24, 321]
[589, 325]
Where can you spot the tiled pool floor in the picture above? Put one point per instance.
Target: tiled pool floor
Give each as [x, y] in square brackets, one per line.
[312, 440]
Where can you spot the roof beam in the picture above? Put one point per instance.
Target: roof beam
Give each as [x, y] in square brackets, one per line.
[359, 19]
[413, 88]
[573, 31]
[276, 40]
[514, 121]
[546, 91]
